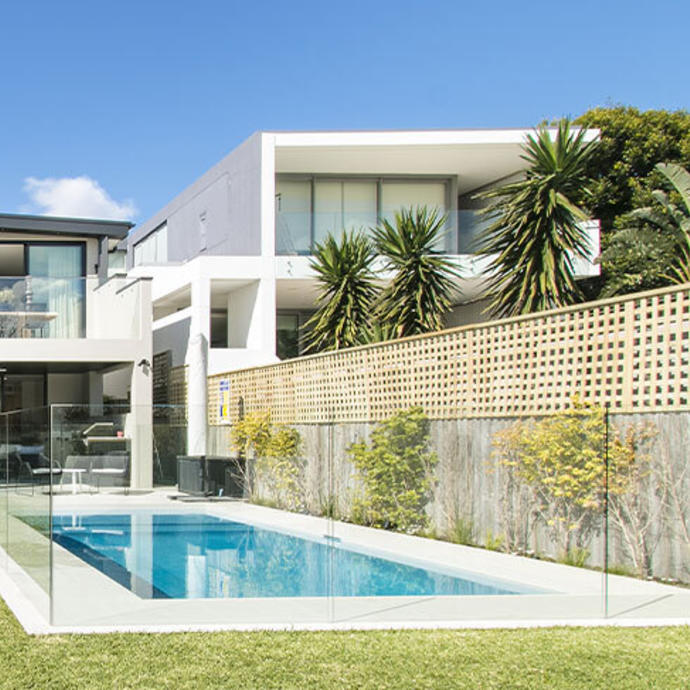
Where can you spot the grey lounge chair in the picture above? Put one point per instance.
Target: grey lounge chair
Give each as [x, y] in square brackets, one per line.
[77, 462]
[38, 469]
[114, 466]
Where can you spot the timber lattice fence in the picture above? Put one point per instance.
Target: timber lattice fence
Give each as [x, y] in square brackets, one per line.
[631, 352]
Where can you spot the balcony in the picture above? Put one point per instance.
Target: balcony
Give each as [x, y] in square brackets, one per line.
[297, 233]
[37, 307]
[69, 308]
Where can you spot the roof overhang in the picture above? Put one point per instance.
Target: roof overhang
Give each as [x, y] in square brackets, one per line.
[475, 157]
[54, 225]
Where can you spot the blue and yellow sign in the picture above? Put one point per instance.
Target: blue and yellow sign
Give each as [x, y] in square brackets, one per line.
[224, 401]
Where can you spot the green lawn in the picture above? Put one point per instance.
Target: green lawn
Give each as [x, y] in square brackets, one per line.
[561, 658]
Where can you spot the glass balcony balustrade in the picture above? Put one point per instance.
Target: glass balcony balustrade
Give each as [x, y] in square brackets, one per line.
[38, 307]
[298, 233]
[70, 307]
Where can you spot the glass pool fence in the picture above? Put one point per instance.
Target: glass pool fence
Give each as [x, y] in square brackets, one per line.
[405, 521]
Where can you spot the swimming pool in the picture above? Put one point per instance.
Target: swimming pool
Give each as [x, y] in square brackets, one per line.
[196, 555]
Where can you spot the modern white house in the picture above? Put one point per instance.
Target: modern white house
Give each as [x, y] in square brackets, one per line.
[229, 256]
[74, 329]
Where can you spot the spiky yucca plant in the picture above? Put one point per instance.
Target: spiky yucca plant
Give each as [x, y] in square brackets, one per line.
[535, 233]
[343, 269]
[420, 292]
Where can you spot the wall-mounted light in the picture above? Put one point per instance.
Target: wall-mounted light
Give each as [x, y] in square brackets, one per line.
[144, 363]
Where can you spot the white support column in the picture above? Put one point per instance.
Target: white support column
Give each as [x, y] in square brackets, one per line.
[197, 365]
[197, 373]
[140, 421]
[140, 428]
[262, 332]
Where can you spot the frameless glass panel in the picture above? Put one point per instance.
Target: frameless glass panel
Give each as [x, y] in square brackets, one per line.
[437, 520]
[4, 489]
[470, 224]
[154, 248]
[244, 541]
[647, 510]
[293, 216]
[31, 473]
[117, 262]
[169, 443]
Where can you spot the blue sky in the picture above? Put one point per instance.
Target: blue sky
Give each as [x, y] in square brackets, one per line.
[113, 108]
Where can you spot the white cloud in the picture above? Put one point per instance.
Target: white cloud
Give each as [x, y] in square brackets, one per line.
[76, 197]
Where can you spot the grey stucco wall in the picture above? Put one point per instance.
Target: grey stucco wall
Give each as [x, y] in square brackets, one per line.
[226, 200]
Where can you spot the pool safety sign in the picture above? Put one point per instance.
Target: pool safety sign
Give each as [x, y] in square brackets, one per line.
[224, 401]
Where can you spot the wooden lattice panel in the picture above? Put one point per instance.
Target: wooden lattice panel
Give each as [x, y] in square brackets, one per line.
[632, 353]
[177, 387]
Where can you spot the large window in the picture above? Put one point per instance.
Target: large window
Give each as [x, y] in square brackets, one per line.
[338, 204]
[57, 286]
[42, 290]
[153, 249]
[309, 208]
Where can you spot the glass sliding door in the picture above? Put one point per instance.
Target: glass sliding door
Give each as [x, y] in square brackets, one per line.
[56, 287]
[399, 195]
[343, 205]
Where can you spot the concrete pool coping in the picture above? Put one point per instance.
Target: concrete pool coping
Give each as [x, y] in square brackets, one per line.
[87, 601]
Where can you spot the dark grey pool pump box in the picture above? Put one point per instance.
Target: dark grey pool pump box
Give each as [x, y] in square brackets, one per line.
[209, 475]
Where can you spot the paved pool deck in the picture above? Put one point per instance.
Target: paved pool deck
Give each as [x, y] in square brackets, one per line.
[85, 600]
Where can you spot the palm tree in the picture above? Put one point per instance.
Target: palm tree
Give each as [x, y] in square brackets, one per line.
[344, 271]
[535, 233]
[419, 295]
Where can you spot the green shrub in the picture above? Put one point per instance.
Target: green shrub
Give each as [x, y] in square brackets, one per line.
[274, 453]
[560, 460]
[395, 472]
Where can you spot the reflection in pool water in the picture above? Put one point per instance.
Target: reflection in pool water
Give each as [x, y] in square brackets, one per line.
[189, 556]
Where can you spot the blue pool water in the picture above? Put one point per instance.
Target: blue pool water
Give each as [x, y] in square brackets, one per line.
[188, 556]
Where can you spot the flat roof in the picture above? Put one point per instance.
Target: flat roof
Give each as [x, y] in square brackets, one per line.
[57, 225]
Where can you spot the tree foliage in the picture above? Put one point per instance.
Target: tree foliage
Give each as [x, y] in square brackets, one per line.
[624, 177]
[654, 247]
[343, 270]
[395, 472]
[535, 233]
[622, 167]
[420, 293]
